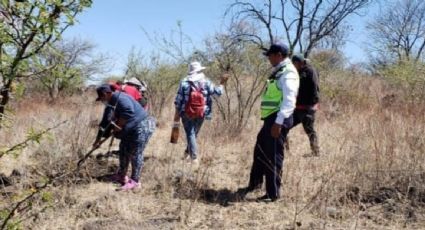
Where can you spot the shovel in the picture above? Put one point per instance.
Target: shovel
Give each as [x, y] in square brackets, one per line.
[81, 161]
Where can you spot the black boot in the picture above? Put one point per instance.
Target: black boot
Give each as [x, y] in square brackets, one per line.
[266, 198]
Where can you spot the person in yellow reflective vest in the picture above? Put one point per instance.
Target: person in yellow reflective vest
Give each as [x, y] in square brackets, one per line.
[277, 106]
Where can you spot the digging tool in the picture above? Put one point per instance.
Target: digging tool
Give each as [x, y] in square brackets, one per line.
[111, 123]
[81, 161]
[109, 153]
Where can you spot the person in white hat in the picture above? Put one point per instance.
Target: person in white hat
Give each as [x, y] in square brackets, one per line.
[134, 81]
[141, 87]
[194, 104]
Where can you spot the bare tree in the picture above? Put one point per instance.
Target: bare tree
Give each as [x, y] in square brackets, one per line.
[163, 73]
[398, 33]
[303, 23]
[246, 82]
[161, 77]
[67, 64]
[177, 44]
[337, 40]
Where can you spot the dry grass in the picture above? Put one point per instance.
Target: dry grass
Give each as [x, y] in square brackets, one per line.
[370, 176]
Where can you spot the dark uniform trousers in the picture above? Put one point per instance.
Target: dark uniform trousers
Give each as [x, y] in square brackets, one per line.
[307, 117]
[268, 157]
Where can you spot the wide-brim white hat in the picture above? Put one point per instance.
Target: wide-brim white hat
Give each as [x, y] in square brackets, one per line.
[134, 81]
[195, 67]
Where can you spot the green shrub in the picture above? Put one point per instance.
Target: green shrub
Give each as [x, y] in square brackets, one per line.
[409, 76]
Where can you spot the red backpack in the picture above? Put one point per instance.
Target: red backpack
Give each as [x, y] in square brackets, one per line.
[195, 107]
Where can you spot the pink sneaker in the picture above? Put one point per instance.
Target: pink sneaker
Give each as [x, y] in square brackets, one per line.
[120, 179]
[131, 184]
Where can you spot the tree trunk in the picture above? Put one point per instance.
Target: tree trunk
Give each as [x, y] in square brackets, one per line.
[5, 96]
[54, 89]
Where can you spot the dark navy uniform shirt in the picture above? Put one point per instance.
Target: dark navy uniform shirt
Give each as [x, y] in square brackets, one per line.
[123, 106]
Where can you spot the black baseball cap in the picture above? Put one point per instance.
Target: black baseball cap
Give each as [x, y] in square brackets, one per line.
[104, 88]
[277, 48]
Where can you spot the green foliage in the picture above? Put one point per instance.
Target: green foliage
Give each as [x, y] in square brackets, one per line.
[243, 61]
[248, 70]
[47, 197]
[6, 119]
[348, 89]
[163, 80]
[19, 90]
[408, 76]
[26, 28]
[64, 66]
[3, 214]
[11, 225]
[343, 94]
[404, 73]
[30, 25]
[161, 77]
[32, 136]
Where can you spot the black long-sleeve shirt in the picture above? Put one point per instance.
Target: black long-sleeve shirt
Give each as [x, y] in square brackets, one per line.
[308, 93]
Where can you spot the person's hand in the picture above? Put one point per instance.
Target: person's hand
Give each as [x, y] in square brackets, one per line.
[224, 78]
[276, 129]
[115, 130]
[116, 127]
[176, 117]
[116, 133]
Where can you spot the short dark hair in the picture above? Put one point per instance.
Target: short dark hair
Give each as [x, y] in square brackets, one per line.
[298, 58]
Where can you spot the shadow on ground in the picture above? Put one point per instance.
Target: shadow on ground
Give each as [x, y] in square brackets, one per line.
[223, 197]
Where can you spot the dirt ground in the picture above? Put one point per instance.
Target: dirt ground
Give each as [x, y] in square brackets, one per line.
[327, 192]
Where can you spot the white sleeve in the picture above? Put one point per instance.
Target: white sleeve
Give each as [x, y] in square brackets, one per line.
[289, 83]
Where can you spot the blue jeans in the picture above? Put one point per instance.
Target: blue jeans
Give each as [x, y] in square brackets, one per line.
[131, 152]
[192, 127]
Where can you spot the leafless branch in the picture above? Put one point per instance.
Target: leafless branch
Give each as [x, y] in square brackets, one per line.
[303, 22]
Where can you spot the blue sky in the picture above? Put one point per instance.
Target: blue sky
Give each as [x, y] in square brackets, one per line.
[115, 26]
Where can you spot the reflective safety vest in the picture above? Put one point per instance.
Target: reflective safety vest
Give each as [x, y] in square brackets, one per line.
[272, 97]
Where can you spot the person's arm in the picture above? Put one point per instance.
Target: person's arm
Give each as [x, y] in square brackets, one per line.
[104, 126]
[143, 102]
[178, 102]
[289, 84]
[177, 116]
[124, 111]
[315, 85]
[218, 90]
